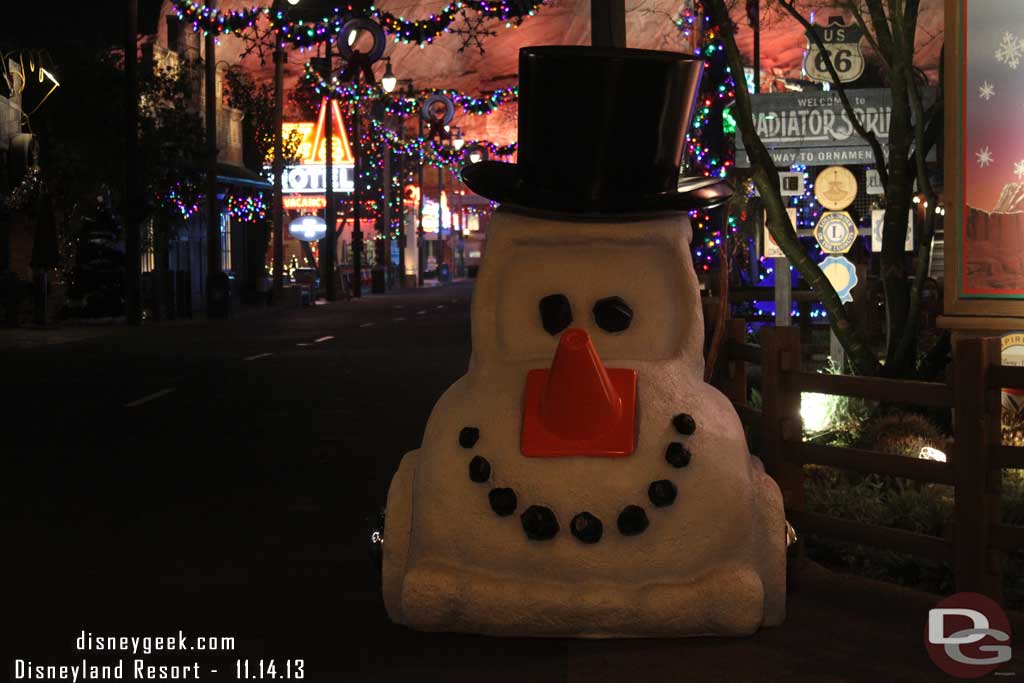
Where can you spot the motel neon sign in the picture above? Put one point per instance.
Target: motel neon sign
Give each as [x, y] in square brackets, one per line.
[309, 176]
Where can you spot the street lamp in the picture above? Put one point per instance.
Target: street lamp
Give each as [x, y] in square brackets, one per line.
[457, 141]
[476, 153]
[388, 81]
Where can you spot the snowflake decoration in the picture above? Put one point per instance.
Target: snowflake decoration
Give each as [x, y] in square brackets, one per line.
[1010, 51]
[984, 157]
[1018, 170]
[472, 32]
[987, 91]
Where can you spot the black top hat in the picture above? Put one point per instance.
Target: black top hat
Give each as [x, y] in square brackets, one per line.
[601, 130]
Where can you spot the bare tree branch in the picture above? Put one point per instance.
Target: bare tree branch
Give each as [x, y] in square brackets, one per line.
[908, 336]
[865, 134]
[881, 25]
[859, 18]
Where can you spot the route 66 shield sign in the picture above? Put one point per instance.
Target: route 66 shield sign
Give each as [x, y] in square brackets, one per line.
[843, 45]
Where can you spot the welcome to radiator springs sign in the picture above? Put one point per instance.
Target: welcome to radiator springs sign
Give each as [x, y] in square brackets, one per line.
[812, 128]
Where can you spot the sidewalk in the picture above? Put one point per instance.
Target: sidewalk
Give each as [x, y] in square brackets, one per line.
[31, 336]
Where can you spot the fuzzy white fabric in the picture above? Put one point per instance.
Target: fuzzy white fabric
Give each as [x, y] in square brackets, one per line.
[711, 563]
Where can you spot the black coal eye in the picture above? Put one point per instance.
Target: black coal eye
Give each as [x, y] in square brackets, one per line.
[555, 313]
[612, 314]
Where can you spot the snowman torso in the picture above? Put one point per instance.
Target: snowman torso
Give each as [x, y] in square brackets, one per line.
[682, 535]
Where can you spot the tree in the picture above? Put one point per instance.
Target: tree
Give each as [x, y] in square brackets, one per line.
[257, 104]
[890, 28]
[83, 145]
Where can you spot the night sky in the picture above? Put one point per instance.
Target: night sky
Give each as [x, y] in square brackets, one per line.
[995, 122]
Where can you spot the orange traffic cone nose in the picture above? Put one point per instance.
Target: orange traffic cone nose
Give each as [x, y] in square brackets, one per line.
[579, 398]
[577, 406]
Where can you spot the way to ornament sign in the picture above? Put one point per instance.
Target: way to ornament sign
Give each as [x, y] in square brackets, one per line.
[835, 232]
[842, 274]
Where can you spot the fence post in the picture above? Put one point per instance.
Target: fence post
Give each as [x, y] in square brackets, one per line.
[976, 566]
[780, 353]
[734, 384]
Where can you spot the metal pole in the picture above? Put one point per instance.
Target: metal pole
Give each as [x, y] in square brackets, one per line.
[461, 234]
[133, 255]
[213, 266]
[386, 211]
[440, 220]
[608, 23]
[357, 233]
[755, 19]
[783, 292]
[278, 209]
[420, 242]
[331, 214]
[401, 214]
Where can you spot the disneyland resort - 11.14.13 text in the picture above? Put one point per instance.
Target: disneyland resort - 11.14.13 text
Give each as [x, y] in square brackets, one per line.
[135, 667]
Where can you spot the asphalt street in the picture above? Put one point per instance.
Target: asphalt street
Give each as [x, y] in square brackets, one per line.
[221, 478]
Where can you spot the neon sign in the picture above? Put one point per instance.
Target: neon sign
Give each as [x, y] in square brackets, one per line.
[301, 202]
[309, 175]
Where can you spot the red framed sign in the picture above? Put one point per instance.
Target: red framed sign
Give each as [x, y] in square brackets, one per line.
[985, 157]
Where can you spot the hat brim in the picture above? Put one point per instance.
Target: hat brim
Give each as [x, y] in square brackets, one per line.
[500, 182]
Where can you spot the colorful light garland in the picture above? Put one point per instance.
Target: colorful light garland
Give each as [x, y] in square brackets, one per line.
[247, 208]
[710, 147]
[406, 106]
[305, 34]
[183, 200]
[424, 31]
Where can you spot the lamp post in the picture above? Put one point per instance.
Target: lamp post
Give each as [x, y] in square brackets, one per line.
[331, 212]
[458, 256]
[420, 242]
[216, 290]
[388, 83]
[133, 266]
[278, 166]
[440, 204]
[358, 63]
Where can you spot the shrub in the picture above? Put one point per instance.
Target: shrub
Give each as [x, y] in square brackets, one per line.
[901, 433]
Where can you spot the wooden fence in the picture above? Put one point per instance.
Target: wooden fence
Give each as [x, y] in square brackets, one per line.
[977, 542]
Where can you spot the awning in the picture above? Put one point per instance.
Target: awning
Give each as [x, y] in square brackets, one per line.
[230, 174]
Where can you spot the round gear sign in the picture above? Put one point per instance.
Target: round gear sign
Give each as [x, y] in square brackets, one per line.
[431, 109]
[835, 188]
[362, 24]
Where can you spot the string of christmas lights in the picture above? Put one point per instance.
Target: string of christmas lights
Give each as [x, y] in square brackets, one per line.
[407, 106]
[247, 208]
[183, 200]
[424, 31]
[710, 147]
[305, 34]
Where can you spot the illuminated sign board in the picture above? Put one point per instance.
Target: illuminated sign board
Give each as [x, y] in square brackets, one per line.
[308, 228]
[311, 179]
[309, 175]
[307, 202]
[430, 217]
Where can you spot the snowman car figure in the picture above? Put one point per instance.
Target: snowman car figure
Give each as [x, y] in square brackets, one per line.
[581, 479]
